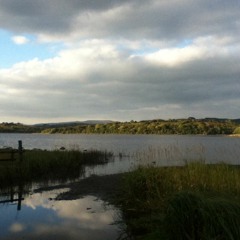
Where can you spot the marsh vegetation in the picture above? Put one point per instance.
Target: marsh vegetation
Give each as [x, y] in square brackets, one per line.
[56, 165]
[195, 201]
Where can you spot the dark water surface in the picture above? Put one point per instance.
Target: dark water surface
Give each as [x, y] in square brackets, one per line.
[37, 215]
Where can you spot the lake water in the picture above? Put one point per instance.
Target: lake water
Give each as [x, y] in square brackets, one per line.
[165, 150]
[43, 217]
[39, 216]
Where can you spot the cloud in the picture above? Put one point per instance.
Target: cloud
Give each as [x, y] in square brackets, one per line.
[175, 56]
[168, 20]
[124, 60]
[96, 79]
[20, 40]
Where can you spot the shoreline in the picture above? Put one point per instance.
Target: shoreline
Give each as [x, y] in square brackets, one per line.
[234, 135]
[105, 187]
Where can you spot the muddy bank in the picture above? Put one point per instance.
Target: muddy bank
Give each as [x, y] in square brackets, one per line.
[105, 187]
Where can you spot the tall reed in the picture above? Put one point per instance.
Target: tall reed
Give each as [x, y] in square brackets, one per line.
[191, 215]
[154, 196]
[40, 165]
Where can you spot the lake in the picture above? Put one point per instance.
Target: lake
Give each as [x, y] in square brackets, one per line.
[165, 149]
[38, 215]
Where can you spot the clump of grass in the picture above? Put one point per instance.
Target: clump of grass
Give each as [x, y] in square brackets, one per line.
[41, 165]
[150, 195]
[195, 216]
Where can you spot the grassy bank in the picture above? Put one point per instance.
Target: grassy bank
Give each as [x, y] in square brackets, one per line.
[39, 165]
[196, 201]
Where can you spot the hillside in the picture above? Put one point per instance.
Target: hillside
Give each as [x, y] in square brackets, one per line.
[206, 126]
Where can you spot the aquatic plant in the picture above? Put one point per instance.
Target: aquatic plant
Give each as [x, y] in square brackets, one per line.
[42, 165]
[155, 199]
[195, 216]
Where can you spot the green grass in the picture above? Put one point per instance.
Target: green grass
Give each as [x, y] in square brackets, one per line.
[194, 216]
[196, 201]
[40, 165]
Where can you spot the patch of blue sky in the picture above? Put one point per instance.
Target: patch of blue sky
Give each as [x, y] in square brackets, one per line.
[12, 53]
[145, 51]
[138, 49]
[185, 43]
[148, 49]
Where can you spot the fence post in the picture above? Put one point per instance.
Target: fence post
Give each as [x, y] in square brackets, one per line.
[20, 150]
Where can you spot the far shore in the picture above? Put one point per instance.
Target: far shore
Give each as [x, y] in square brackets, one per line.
[234, 135]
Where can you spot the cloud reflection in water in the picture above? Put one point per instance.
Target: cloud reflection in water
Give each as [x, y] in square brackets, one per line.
[44, 218]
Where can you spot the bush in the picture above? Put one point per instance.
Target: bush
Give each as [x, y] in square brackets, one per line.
[237, 130]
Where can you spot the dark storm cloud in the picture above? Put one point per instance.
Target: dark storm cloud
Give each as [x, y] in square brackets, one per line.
[133, 19]
[40, 16]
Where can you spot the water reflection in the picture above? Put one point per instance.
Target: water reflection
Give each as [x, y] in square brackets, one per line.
[43, 217]
[12, 195]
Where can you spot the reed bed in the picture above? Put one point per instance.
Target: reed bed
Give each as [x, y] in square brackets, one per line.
[41, 165]
[172, 154]
[195, 201]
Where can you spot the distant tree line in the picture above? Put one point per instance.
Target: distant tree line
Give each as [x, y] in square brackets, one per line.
[11, 127]
[175, 126]
[237, 130]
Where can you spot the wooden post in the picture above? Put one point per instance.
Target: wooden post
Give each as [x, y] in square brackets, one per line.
[20, 150]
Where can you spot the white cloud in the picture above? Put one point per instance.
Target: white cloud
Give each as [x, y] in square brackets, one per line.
[20, 40]
[175, 56]
[97, 79]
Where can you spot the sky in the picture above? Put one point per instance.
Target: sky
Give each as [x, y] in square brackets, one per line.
[123, 60]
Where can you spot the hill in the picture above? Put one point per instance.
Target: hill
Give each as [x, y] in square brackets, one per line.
[71, 124]
[206, 126]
